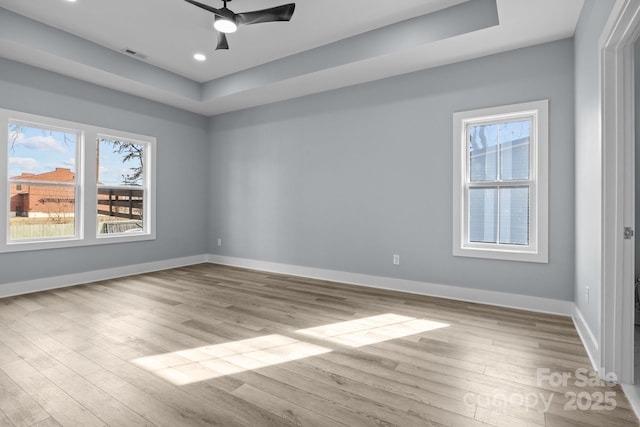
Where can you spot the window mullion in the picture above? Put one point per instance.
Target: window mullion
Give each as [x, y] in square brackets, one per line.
[497, 215]
[47, 183]
[501, 184]
[498, 180]
[4, 184]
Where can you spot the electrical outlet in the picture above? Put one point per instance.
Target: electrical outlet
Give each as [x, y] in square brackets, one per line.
[396, 260]
[219, 241]
[587, 293]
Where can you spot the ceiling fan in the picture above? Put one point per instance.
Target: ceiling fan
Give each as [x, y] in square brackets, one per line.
[227, 21]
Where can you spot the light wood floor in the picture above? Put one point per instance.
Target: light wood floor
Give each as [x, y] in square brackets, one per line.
[211, 345]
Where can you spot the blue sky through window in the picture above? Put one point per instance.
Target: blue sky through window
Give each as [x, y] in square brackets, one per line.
[113, 166]
[39, 150]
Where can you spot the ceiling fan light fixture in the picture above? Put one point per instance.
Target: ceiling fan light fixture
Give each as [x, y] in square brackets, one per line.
[225, 25]
[226, 21]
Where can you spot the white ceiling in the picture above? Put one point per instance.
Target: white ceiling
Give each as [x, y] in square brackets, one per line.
[266, 62]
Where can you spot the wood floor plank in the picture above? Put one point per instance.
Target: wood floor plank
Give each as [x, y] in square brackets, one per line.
[200, 400]
[431, 396]
[375, 412]
[243, 412]
[6, 354]
[297, 415]
[49, 422]
[186, 347]
[399, 409]
[63, 354]
[25, 349]
[62, 408]
[275, 381]
[101, 404]
[4, 421]
[18, 407]
[11, 310]
[152, 409]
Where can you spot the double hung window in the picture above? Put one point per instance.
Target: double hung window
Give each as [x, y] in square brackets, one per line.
[68, 184]
[43, 182]
[501, 182]
[121, 185]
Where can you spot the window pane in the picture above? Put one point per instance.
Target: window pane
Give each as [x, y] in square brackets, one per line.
[482, 215]
[42, 211]
[120, 163]
[120, 210]
[483, 156]
[514, 150]
[39, 156]
[514, 215]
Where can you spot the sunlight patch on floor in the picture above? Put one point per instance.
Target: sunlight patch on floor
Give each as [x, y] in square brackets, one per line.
[213, 361]
[203, 363]
[371, 330]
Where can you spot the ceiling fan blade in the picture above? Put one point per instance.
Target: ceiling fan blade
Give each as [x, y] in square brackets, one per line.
[206, 7]
[278, 13]
[222, 41]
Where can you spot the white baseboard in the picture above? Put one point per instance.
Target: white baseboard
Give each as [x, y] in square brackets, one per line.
[633, 396]
[29, 286]
[588, 340]
[502, 299]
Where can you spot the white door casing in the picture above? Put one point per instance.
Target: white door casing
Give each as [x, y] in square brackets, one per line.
[618, 190]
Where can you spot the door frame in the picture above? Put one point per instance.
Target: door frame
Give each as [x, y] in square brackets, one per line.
[616, 335]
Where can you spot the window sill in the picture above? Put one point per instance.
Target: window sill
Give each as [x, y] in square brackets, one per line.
[23, 246]
[505, 254]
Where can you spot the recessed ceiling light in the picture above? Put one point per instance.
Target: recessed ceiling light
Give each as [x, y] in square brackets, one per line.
[71, 1]
[199, 57]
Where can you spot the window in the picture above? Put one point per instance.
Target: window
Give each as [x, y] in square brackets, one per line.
[500, 181]
[121, 185]
[51, 202]
[43, 160]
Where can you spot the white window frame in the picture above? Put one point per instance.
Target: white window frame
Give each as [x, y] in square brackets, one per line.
[148, 179]
[87, 188]
[78, 205]
[538, 248]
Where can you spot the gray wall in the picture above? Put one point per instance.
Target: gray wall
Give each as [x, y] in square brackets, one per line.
[344, 179]
[588, 160]
[182, 168]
